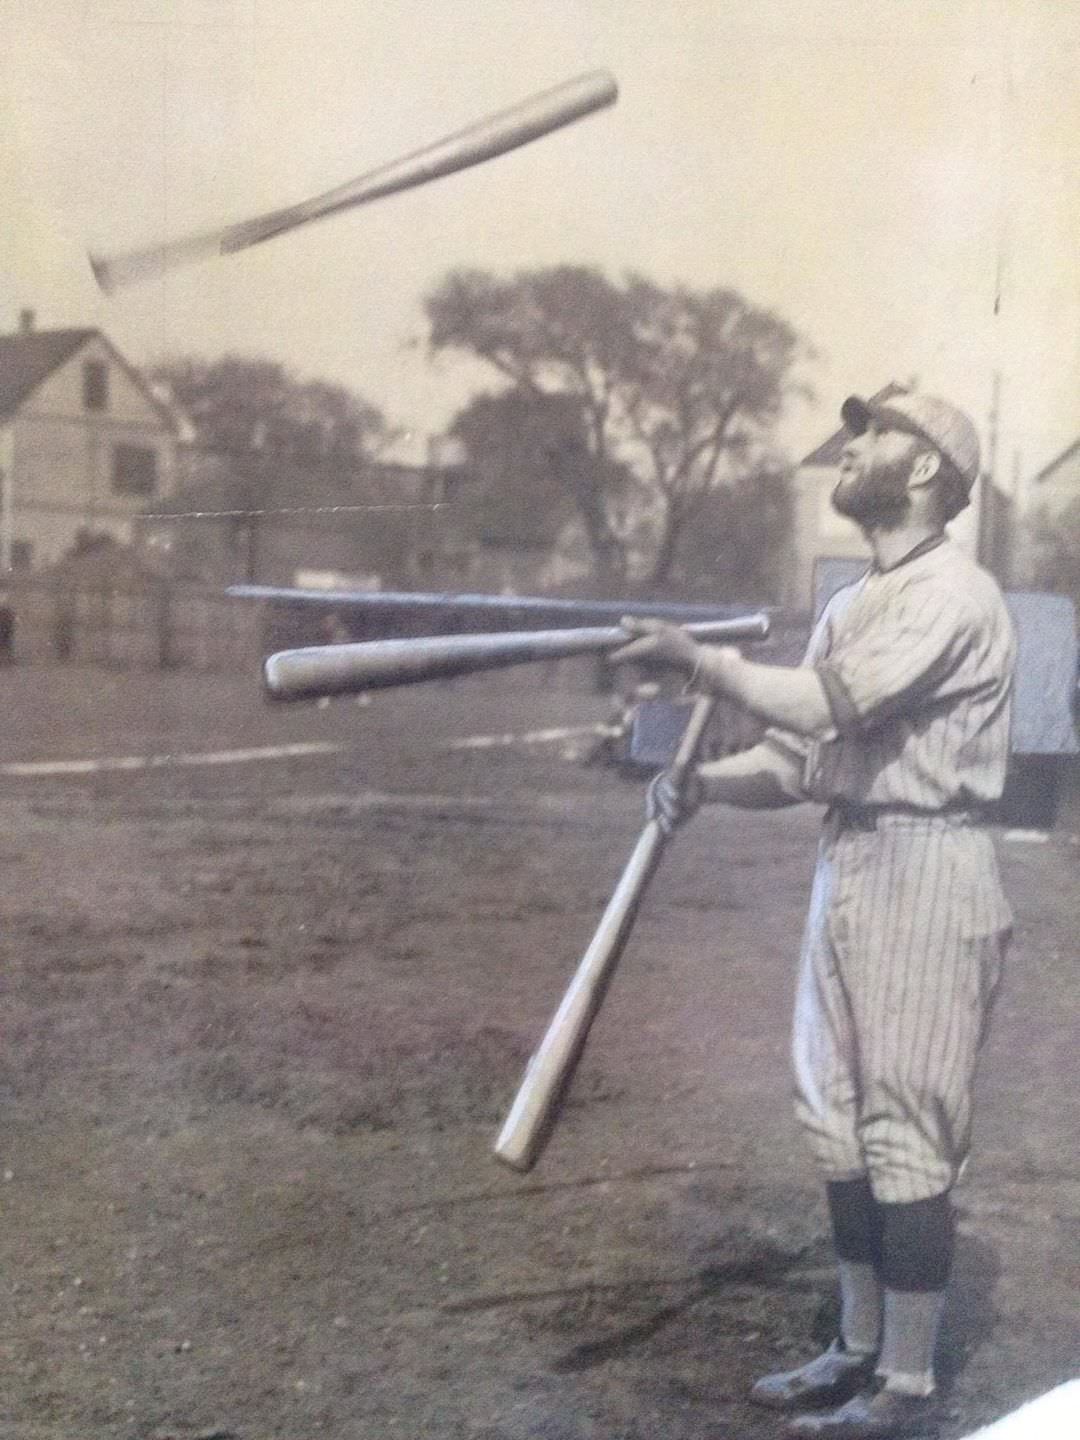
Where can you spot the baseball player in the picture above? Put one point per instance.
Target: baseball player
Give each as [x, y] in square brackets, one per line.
[898, 722]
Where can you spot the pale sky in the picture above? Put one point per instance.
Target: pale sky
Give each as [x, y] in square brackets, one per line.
[865, 168]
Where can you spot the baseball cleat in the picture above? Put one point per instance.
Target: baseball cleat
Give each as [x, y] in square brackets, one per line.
[877, 1414]
[828, 1379]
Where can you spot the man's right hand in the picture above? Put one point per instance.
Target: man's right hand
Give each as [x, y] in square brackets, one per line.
[671, 801]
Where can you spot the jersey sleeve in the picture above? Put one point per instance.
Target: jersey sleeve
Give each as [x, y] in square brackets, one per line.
[908, 655]
[793, 752]
[793, 747]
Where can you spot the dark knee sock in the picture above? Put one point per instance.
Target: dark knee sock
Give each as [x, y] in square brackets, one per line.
[917, 1242]
[856, 1221]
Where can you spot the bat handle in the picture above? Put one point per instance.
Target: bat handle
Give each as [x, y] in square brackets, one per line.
[687, 748]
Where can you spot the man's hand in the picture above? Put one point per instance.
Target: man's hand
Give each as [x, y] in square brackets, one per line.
[670, 801]
[656, 643]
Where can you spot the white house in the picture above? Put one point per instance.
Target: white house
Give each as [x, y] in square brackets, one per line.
[85, 443]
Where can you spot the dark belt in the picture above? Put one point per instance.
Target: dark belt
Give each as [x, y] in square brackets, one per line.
[847, 816]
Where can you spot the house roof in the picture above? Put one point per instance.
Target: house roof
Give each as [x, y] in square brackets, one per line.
[827, 455]
[1048, 470]
[28, 358]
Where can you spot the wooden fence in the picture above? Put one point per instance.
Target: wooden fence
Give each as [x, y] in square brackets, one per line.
[138, 621]
[160, 626]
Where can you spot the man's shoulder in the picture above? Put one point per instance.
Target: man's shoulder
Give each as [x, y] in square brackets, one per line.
[951, 577]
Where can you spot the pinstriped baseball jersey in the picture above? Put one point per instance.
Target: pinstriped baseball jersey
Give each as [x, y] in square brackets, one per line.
[908, 924]
[917, 663]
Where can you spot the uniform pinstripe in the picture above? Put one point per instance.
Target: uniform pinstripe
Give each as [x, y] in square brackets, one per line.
[908, 925]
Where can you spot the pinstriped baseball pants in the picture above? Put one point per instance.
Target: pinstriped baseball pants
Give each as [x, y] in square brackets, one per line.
[901, 960]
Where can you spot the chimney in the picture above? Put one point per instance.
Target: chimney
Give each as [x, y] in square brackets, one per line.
[27, 318]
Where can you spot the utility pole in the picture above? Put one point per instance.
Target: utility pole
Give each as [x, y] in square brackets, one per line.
[993, 424]
[5, 521]
[989, 519]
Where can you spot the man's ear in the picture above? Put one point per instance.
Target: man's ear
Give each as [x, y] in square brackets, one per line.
[925, 466]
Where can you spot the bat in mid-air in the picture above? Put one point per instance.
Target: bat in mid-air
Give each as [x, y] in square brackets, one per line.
[496, 134]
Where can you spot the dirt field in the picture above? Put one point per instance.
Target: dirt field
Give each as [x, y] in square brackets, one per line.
[262, 1021]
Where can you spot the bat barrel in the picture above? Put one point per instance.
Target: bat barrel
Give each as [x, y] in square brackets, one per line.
[531, 1117]
[321, 670]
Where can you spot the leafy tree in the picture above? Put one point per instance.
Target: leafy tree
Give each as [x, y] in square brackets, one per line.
[528, 456]
[518, 445]
[241, 406]
[676, 390]
[737, 542]
[702, 385]
[555, 332]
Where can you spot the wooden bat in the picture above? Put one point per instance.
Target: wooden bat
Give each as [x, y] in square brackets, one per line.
[547, 1077]
[528, 120]
[348, 669]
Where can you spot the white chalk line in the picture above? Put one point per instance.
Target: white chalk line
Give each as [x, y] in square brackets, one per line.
[379, 799]
[37, 768]
[530, 737]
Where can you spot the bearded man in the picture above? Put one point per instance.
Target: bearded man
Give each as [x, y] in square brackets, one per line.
[897, 721]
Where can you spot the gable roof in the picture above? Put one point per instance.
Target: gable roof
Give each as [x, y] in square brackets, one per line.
[828, 453]
[26, 359]
[1048, 470]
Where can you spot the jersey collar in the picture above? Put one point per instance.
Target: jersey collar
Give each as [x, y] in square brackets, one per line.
[922, 548]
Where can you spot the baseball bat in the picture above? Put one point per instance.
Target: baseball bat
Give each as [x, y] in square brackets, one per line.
[318, 670]
[495, 135]
[532, 1115]
[554, 609]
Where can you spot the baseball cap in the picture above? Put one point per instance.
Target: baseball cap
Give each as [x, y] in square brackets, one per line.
[948, 429]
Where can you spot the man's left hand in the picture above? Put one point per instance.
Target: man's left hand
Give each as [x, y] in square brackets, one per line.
[670, 801]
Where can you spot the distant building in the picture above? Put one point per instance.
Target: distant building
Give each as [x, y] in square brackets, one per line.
[85, 443]
[1057, 485]
[263, 519]
[822, 539]
[1052, 495]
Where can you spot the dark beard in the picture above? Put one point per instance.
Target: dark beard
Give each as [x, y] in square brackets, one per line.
[879, 498]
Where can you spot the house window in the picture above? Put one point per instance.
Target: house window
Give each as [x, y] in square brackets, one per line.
[134, 470]
[95, 385]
